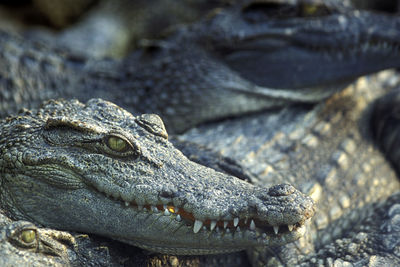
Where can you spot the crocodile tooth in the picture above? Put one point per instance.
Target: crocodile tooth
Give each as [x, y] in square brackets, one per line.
[290, 227]
[178, 218]
[126, 203]
[227, 230]
[238, 229]
[166, 212]
[225, 224]
[276, 229]
[252, 225]
[154, 209]
[212, 225]
[235, 222]
[197, 226]
[264, 235]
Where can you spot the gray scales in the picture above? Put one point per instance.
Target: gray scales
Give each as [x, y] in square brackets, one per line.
[376, 48]
[196, 71]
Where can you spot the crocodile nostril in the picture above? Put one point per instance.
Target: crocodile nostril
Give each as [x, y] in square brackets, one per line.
[167, 193]
[281, 190]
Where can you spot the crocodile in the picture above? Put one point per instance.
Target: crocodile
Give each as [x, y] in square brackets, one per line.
[193, 76]
[24, 244]
[95, 168]
[294, 144]
[316, 185]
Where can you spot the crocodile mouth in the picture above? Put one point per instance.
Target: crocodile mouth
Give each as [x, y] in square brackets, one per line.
[268, 44]
[260, 228]
[237, 225]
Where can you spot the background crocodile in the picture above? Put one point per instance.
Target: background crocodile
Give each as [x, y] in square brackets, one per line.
[327, 151]
[194, 77]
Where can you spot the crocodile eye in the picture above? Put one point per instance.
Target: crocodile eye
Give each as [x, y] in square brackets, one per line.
[23, 235]
[28, 236]
[313, 10]
[117, 144]
[265, 11]
[309, 9]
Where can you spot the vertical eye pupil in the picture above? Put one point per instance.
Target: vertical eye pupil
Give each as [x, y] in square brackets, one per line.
[117, 144]
[28, 236]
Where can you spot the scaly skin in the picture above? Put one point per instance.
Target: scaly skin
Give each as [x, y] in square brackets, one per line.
[326, 151]
[24, 244]
[199, 73]
[95, 168]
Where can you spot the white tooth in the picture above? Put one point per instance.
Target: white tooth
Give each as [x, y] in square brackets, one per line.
[164, 207]
[225, 224]
[126, 203]
[178, 218]
[245, 220]
[197, 226]
[145, 209]
[212, 225]
[166, 212]
[204, 227]
[264, 235]
[238, 229]
[252, 225]
[290, 227]
[276, 229]
[235, 222]
[140, 207]
[176, 209]
[154, 209]
[227, 230]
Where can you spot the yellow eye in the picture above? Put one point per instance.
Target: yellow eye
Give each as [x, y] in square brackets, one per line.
[309, 9]
[28, 236]
[117, 144]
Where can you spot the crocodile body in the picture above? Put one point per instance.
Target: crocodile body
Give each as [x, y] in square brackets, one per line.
[328, 152]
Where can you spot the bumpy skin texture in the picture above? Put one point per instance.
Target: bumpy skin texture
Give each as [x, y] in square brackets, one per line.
[23, 244]
[208, 71]
[95, 168]
[344, 202]
[326, 151]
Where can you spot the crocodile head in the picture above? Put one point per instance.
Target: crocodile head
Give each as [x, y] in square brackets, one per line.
[96, 168]
[300, 43]
[22, 243]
